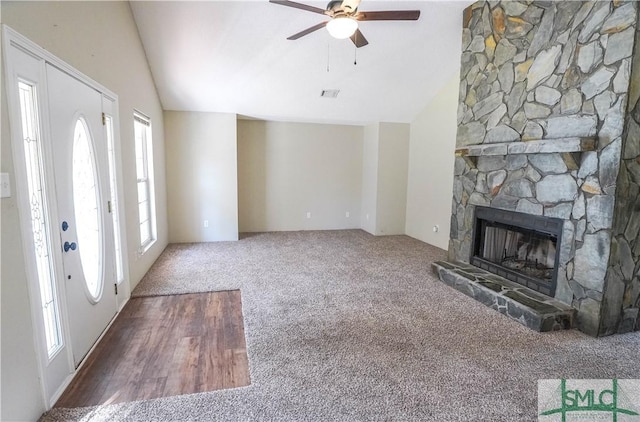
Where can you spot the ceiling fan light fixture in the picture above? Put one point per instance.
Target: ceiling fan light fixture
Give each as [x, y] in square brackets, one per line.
[342, 27]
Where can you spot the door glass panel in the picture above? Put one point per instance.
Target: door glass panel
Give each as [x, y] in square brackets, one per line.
[85, 201]
[38, 212]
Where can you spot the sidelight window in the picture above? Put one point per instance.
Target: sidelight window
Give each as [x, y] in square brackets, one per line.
[115, 210]
[32, 144]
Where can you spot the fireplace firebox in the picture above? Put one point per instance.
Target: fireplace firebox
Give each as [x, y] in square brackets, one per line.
[520, 247]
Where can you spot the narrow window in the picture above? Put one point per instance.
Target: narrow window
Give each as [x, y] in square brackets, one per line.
[38, 212]
[144, 170]
[114, 199]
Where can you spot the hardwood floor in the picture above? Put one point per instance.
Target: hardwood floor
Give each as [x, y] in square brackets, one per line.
[164, 346]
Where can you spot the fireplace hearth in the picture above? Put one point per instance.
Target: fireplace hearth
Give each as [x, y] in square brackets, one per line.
[532, 309]
[519, 247]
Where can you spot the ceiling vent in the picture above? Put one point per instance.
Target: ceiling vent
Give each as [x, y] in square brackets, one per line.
[329, 93]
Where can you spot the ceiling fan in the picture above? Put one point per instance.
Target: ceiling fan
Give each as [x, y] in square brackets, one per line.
[344, 16]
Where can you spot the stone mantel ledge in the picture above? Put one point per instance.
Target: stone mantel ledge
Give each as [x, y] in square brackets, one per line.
[539, 146]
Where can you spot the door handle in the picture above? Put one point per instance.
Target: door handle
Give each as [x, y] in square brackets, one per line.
[71, 246]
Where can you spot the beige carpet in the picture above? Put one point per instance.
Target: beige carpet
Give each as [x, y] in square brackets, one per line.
[342, 326]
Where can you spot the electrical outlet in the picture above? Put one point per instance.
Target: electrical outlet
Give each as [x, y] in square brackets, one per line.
[5, 187]
[366, 216]
[308, 215]
[348, 214]
[436, 228]
[206, 223]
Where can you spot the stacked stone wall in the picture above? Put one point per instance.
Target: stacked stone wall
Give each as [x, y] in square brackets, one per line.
[551, 71]
[622, 289]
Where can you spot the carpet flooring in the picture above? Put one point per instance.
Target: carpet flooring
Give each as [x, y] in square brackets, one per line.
[345, 326]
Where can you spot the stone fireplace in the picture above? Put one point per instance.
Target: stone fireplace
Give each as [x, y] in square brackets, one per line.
[548, 131]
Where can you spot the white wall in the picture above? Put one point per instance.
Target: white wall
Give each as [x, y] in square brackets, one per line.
[286, 170]
[393, 158]
[370, 178]
[431, 158]
[202, 176]
[101, 40]
[384, 178]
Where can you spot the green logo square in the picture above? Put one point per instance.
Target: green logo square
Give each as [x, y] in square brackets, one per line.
[589, 399]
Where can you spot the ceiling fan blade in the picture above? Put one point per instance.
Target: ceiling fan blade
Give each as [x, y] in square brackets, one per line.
[307, 31]
[299, 6]
[391, 15]
[358, 39]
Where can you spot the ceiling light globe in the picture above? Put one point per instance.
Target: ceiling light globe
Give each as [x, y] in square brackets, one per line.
[342, 27]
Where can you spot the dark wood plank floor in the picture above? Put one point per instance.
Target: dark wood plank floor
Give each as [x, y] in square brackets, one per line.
[164, 346]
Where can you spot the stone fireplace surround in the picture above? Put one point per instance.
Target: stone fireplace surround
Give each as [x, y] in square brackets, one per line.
[548, 125]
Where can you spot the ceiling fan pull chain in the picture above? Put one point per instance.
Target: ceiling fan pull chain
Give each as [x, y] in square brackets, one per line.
[355, 55]
[328, 55]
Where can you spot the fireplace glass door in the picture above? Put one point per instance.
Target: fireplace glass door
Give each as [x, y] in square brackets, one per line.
[528, 253]
[515, 249]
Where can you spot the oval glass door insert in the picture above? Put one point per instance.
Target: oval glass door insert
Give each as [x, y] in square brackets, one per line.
[85, 204]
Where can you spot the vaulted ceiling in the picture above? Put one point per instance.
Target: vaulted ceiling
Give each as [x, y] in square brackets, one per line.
[233, 56]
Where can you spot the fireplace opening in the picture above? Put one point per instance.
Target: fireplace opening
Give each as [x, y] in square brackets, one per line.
[520, 247]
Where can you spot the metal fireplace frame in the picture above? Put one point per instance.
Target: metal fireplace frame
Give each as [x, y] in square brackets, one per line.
[516, 221]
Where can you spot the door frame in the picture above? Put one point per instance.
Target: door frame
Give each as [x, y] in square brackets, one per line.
[11, 39]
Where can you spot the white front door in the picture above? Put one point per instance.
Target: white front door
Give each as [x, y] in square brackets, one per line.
[81, 171]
